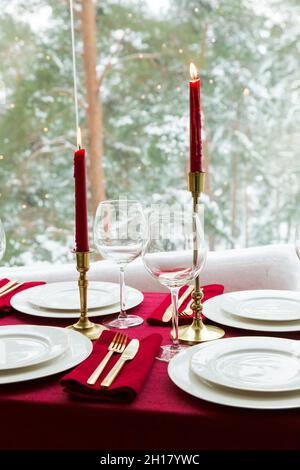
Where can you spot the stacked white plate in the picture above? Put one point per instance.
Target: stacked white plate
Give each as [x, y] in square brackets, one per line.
[260, 310]
[61, 299]
[30, 352]
[248, 372]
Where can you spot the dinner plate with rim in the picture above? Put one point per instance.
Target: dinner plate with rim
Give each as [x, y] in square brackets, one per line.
[267, 305]
[213, 311]
[79, 349]
[260, 364]
[181, 375]
[27, 345]
[20, 303]
[65, 295]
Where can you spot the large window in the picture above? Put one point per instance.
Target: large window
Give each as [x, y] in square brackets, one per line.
[136, 129]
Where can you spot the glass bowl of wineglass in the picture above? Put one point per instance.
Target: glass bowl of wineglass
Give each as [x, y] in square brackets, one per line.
[119, 234]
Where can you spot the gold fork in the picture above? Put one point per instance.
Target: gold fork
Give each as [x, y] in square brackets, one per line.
[188, 310]
[117, 345]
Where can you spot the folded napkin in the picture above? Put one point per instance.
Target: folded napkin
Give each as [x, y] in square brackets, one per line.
[5, 306]
[126, 385]
[156, 317]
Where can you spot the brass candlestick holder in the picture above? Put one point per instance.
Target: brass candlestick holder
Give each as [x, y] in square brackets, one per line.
[84, 325]
[197, 332]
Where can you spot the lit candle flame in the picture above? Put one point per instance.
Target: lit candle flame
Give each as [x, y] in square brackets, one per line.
[193, 71]
[79, 140]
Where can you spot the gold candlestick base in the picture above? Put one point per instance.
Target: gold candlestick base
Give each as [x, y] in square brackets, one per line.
[89, 329]
[197, 332]
[84, 325]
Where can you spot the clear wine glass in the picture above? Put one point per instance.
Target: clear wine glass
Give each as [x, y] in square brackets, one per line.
[119, 234]
[174, 254]
[2, 240]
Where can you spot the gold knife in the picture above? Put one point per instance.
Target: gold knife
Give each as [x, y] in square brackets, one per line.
[169, 312]
[128, 354]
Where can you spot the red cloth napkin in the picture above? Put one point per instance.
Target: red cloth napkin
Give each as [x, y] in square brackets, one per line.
[129, 381]
[5, 306]
[156, 317]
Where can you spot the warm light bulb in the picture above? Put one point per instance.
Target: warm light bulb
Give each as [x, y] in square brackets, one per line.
[79, 140]
[193, 71]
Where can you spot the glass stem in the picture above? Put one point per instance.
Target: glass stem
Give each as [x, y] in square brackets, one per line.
[122, 293]
[174, 294]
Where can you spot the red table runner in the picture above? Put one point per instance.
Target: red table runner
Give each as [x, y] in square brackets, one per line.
[38, 415]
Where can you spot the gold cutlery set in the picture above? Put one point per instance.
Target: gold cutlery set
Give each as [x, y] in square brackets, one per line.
[118, 345]
[10, 286]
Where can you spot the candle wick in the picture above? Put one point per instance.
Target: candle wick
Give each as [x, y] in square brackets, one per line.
[79, 147]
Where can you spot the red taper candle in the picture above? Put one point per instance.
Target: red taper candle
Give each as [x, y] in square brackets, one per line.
[195, 122]
[81, 215]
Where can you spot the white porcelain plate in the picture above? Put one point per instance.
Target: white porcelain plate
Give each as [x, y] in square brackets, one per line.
[20, 302]
[65, 295]
[27, 345]
[261, 364]
[79, 349]
[213, 310]
[267, 305]
[181, 374]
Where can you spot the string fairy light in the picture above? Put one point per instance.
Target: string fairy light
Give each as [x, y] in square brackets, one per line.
[74, 65]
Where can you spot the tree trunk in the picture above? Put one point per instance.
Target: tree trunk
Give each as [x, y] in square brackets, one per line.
[94, 109]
